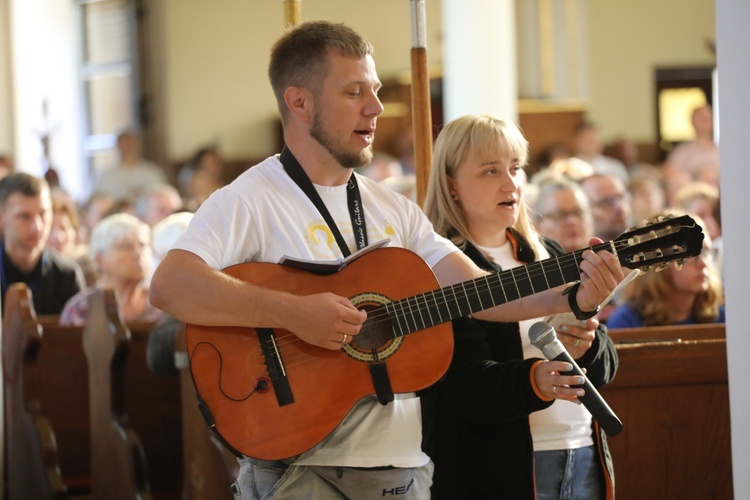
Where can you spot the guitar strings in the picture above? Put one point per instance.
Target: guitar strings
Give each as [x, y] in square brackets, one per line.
[534, 270]
[415, 306]
[475, 289]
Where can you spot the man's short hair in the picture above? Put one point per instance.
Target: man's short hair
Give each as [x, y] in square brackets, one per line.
[300, 57]
[20, 182]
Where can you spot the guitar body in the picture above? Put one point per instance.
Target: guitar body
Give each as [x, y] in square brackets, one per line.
[271, 396]
[231, 373]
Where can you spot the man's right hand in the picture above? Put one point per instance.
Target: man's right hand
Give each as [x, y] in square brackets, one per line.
[325, 320]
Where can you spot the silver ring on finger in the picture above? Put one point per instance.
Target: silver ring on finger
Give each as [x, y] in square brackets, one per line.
[578, 342]
[554, 389]
[343, 341]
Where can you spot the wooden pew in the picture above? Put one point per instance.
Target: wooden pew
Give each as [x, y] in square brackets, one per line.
[210, 468]
[671, 393]
[68, 438]
[118, 461]
[30, 447]
[53, 393]
[154, 410]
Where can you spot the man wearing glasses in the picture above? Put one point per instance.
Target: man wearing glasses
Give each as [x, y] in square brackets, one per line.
[610, 205]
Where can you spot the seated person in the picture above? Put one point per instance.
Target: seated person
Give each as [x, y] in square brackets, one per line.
[201, 176]
[156, 202]
[26, 222]
[160, 350]
[120, 247]
[686, 296]
[133, 173]
[563, 214]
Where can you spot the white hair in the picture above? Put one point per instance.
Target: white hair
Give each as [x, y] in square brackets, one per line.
[110, 230]
[168, 231]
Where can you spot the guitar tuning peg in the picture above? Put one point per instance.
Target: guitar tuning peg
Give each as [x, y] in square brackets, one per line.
[662, 267]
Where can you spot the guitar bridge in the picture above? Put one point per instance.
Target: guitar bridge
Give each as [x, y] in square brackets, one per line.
[275, 364]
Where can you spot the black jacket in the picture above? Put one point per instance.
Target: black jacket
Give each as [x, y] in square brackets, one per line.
[476, 426]
[57, 280]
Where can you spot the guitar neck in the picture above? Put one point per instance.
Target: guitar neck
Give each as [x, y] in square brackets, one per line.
[432, 308]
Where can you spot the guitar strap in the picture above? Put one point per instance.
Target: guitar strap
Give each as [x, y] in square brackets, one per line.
[354, 200]
[378, 370]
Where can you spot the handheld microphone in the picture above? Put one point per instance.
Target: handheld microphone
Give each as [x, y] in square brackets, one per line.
[543, 337]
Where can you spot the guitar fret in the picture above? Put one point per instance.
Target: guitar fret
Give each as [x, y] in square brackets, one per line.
[477, 304]
[447, 303]
[489, 288]
[427, 307]
[437, 309]
[515, 285]
[499, 280]
[391, 309]
[551, 275]
[458, 306]
[479, 298]
[531, 284]
[538, 277]
[405, 316]
[419, 310]
[411, 315]
[557, 260]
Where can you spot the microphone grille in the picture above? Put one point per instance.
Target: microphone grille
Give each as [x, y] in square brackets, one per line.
[541, 334]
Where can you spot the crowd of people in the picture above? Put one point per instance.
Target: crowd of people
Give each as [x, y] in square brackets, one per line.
[504, 421]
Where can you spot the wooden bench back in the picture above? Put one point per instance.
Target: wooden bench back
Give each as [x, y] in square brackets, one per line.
[671, 393]
[211, 467]
[153, 404]
[118, 466]
[47, 387]
[30, 447]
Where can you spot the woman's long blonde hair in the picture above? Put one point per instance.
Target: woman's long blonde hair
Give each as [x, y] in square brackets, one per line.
[483, 135]
[648, 294]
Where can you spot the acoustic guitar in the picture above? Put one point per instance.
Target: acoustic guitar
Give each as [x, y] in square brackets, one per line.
[269, 395]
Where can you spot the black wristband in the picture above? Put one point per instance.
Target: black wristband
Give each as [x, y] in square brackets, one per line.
[573, 303]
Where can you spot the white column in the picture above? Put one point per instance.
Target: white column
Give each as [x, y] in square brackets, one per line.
[553, 49]
[479, 51]
[733, 62]
[6, 110]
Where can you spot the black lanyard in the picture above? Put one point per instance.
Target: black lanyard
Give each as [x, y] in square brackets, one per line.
[354, 200]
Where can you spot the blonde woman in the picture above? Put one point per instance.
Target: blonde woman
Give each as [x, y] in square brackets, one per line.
[690, 295]
[504, 423]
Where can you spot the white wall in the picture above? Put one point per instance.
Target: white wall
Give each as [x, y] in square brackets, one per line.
[217, 55]
[733, 19]
[44, 67]
[628, 40]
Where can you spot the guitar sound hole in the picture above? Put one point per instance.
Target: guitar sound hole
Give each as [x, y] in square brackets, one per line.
[376, 332]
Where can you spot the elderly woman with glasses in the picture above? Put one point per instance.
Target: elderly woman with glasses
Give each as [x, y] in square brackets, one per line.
[120, 247]
[689, 295]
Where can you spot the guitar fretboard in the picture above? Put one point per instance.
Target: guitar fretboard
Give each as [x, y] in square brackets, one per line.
[445, 304]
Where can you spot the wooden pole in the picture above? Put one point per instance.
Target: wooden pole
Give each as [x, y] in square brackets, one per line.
[420, 99]
[292, 13]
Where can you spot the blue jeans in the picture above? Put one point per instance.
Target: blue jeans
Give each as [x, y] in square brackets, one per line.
[568, 474]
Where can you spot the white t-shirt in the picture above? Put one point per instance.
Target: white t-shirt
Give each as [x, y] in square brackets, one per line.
[563, 425]
[262, 216]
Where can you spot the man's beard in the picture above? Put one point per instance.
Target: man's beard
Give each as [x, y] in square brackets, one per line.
[346, 159]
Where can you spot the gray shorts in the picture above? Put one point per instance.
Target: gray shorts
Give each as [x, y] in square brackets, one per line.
[258, 480]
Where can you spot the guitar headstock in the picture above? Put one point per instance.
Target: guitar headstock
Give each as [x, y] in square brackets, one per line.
[664, 240]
